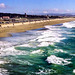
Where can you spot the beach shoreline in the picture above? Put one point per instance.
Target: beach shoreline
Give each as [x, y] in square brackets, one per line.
[6, 30]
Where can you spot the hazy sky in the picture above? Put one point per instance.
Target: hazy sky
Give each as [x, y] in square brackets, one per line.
[37, 6]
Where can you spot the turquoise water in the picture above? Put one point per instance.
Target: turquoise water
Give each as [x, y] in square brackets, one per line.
[45, 51]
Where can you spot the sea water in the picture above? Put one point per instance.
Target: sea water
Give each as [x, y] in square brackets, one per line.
[44, 51]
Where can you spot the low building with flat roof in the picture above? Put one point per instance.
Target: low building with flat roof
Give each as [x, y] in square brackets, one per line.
[6, 17]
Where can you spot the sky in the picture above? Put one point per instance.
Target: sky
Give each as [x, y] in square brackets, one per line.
[37, 6]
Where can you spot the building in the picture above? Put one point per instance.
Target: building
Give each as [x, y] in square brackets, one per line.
[6, 17]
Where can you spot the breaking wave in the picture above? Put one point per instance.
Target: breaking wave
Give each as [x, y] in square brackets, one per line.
[44, 51]
[69, 24]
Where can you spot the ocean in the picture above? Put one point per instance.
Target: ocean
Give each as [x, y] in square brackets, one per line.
[44, 51]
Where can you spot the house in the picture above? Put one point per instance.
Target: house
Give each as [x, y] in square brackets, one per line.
[6, 17]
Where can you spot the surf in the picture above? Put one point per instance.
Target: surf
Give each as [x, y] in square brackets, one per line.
[41, 51]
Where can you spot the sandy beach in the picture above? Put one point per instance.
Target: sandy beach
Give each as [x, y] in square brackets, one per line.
[5, 30]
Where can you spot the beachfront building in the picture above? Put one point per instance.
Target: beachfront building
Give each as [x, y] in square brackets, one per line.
[5, 17]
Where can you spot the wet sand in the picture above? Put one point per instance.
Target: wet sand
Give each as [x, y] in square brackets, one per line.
[19, 27]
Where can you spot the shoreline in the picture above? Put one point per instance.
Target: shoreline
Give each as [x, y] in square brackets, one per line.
[22, 27]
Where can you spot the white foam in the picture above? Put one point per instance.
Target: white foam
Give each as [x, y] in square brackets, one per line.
[49, 34]
[4, 44]
[60, 50]
[69, 24]
[44, 44]
[24, 45]
[2, 62]
[36, 51]
[3, 71]
[45, 71]
[56, 60]
[11, 51]
[56, 39]
[72, 54]
[52, 27]
[74, 71]
[49, 37]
